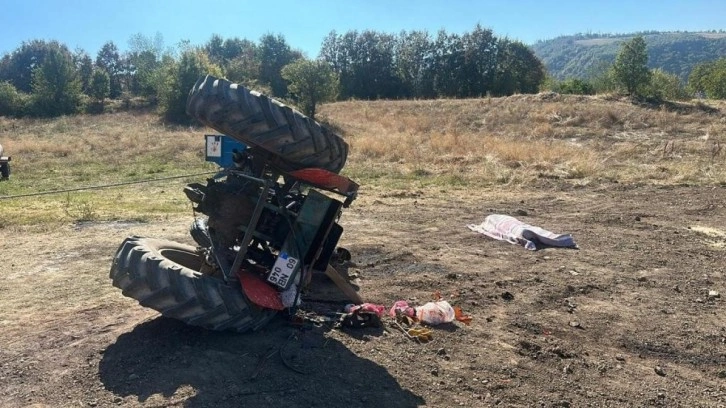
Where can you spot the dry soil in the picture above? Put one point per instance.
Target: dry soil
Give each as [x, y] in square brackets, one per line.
[634, 317]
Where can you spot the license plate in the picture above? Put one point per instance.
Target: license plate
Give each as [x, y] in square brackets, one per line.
[282, 270]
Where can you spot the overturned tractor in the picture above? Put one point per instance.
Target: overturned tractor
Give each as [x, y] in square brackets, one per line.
[270, 217]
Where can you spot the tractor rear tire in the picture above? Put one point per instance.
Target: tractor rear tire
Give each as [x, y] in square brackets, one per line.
[258, 121]
[162, 275]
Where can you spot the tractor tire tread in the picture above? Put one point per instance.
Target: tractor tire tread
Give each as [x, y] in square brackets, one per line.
[143, 272]
[263, 122]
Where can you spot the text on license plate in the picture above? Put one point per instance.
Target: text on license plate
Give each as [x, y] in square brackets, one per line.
[282, 270]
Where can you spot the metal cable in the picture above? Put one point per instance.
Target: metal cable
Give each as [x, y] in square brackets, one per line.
[68, 190]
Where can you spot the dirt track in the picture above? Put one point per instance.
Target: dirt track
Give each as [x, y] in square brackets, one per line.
[626, 320]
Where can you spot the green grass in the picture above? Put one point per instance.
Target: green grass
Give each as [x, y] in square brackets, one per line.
[90, 151]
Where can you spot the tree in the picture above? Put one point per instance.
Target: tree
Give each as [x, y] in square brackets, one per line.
[244, 69]
[413, 64]
[518, 70]
[100, 86]
[235, 47]
[144, 64]
[631, 66]
[180, 77]
[310, 83]
[480, 62]
[365, 63]
[239, 58]
[275, 53]
[17, 67]
[373, 66]
[109, 60]
[448, 65]
[215, 49]
[337, 51]
[84, 66]
[56, 87]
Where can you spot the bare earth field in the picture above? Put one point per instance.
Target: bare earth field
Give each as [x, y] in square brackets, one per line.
[634, 317]
[626, 320]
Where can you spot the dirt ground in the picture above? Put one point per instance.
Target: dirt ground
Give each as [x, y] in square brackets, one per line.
[635, 317]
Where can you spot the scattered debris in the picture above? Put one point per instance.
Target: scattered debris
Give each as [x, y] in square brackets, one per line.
[366, 307]
[421, 334]
[510, 229]
[361, 318]
[435, 313]
[417, 333]
[461, 317]
[401, 307]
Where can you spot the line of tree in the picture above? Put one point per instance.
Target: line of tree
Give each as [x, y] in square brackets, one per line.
[416, 64]
[44, 78]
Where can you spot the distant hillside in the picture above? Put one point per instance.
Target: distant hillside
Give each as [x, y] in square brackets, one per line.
[582, 55]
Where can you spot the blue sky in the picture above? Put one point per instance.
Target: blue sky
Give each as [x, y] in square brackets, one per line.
[88, 24]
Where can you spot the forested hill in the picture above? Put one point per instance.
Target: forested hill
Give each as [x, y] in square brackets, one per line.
[584, 55]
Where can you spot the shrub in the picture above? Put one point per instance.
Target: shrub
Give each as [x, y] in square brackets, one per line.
[664, 85]
[574, 86]
[12, 102]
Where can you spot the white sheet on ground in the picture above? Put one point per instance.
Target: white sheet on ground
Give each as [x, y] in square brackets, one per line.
[510, 229]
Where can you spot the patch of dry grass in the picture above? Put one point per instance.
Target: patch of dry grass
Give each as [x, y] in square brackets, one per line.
[515, 141]
[525, 138]
[91, 150]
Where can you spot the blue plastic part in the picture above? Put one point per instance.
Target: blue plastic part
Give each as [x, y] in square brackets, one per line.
[220, 148]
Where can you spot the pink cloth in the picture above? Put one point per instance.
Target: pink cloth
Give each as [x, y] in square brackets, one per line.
[366, 307]
[403, 308]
